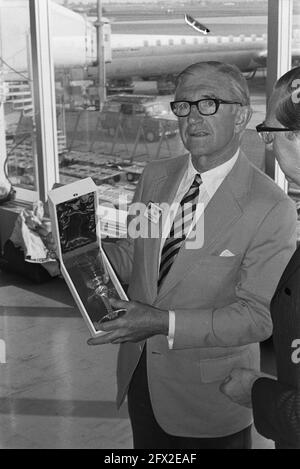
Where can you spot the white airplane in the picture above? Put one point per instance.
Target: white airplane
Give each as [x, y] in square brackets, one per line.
[127, 55]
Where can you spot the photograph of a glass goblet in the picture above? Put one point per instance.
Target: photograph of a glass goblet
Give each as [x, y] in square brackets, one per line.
[96, 279]
[103, 292]
[93, 271]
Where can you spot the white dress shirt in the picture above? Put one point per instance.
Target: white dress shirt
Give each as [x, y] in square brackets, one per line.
[211, 180]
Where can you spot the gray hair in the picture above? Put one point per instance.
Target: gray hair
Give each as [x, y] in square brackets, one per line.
[234, 80]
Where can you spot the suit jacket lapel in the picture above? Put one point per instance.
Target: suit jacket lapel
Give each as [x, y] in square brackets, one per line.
[223, 210]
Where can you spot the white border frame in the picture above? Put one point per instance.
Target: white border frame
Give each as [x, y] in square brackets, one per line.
[44, 96]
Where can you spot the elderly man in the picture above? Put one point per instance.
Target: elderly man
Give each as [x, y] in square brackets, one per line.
[199, 301]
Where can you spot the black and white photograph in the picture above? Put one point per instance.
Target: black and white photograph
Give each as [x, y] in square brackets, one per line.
[150, 227]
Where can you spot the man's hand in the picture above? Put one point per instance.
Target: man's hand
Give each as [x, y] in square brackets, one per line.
[140, 322]
[238, 385]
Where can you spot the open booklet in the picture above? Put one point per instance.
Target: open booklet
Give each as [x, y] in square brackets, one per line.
[84, 265]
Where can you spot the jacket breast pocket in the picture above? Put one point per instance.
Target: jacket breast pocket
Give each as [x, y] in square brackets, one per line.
[211, 282]
[217, 369]
[222, 260]
[218, 263]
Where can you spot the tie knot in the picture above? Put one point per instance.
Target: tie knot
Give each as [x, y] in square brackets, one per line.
[197, 180]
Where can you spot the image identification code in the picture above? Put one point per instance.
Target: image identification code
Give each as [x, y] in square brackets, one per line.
[151, 458]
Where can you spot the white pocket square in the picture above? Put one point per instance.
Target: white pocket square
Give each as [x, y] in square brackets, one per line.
[227, 253]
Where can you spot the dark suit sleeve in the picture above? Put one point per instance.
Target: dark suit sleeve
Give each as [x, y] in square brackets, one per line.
[276, 410]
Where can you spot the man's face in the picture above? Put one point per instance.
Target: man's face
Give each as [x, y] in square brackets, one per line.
[207, 135]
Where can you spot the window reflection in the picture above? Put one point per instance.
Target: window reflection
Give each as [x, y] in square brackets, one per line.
[146, 45]
[135, 125]
[294, 189]
[15, 65]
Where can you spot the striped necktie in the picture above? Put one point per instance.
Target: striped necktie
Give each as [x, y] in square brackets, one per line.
[180, 228]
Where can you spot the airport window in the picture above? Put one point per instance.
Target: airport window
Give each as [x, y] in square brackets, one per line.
[106, 140]
[296, 32]
[115, 137]
[294, 189]
[18, 107]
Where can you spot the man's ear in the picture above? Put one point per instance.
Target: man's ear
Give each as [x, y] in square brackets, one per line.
[243, 116]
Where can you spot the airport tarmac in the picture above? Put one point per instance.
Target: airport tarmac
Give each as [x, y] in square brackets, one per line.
[218, 26]
[239, 18]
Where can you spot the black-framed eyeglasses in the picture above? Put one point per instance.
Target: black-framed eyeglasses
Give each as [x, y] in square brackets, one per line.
[266, 132]
[205, 106]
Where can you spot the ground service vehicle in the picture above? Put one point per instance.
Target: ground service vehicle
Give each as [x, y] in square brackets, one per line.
[130, 114]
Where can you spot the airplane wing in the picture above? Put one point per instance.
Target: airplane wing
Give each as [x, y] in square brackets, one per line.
[195, 24]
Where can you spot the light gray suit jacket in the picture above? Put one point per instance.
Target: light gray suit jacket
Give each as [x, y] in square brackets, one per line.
[221, 303]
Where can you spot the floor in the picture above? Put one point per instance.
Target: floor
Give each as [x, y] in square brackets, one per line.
[55, 391]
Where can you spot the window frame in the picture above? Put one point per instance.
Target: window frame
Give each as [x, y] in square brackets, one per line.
[47, 163]
[279, 61]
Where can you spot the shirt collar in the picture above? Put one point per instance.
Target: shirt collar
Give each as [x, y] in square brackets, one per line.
[213, 178]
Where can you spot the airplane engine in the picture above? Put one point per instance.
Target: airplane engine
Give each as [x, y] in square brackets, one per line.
[73, 51]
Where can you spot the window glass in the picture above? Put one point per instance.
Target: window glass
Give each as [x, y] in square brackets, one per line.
[15, 70]
[294, 189]
[146, 45]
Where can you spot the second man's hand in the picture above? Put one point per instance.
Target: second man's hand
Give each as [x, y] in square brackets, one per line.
[140, 322]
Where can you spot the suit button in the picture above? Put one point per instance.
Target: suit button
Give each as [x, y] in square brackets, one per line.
[287, 291]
